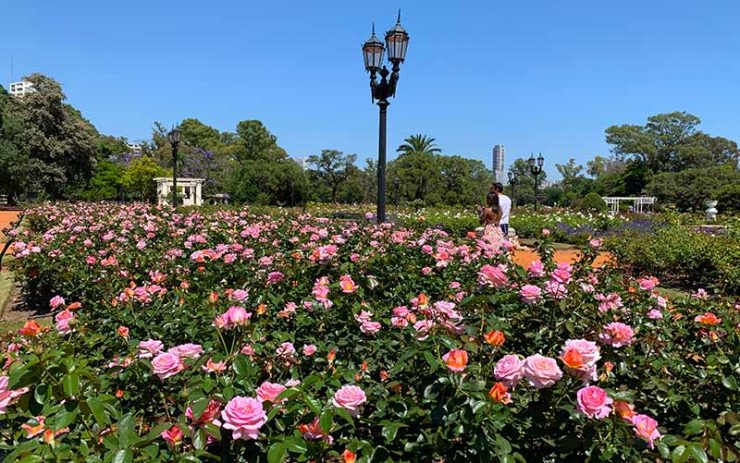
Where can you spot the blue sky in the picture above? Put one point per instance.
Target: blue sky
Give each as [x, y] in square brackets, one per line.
[533, 75]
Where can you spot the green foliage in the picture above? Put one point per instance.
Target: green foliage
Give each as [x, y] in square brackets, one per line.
[330, 170]
[107, 183]
[524, 188]
[592, 202]
[689, 189]
[728, 198]
[257, 142]
[138, 178]
[419, 144]
[271, 182]
[680, 253]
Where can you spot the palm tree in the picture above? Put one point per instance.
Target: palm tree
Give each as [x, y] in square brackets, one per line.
[419, 144]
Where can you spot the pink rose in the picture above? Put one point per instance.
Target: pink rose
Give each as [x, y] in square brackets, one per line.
[8, 396]
[349, 398]
[595, 243]
[187, 350]
[594, 402]
[63, 318]
[541, 371]
[56, 302]
[239, 295]
[370, 327]
[536, 269]
[646, 428]
[309, 349]
[655, 314]
[244, 416]
[286, 349]
[496, 277]
[588, 349]
[648, 284]
[530, 294]
[617, 334]
[167, 364]
[149, 348]
[509, 370]
[556, 289]
[214, 367]
[236, 316]
[561, 275]
[268, 392]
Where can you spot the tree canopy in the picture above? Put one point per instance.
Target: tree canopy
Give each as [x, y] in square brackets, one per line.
[419, 144]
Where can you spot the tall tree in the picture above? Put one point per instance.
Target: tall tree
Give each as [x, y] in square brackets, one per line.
[257, 142]
[418, 144]
[570, 172]
[332, 168]
[199, 135]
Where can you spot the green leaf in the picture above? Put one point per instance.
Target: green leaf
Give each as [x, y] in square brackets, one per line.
[390, 430]
[277, 453]
[240, 366]
[296, 444]
[730, 383]
[693, 427]
[200, 438]
[680, 454]
[326, 420]
[199, 406]
[698, 453]
[126, 432]
[71, 384]
[123, 456]
[41, 393]
[96, 407]
[64, 419]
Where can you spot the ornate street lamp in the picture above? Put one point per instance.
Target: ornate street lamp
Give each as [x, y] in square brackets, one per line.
[174, 137]
[397, 42]
[512, 182]
[536, 170]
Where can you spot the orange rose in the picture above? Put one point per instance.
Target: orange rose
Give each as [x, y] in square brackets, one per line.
[349, 456]
[573, 359]
[30, 328]
[261, 309]
[625, 410]
[500, 393]
[708, 319]
[423, 299]
[456, 359]
[495, 338]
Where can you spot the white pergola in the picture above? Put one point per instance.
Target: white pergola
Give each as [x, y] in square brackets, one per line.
[191, 190]
[640, 204]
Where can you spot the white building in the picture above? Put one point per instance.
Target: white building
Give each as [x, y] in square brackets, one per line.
[303, 162]
[190, 190]
[135, 148]
[21, 88]
[499, 159]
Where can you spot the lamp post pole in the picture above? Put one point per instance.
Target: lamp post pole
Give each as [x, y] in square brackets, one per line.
[535, 167]
[174, 137]
[396, 41]
[512, 183]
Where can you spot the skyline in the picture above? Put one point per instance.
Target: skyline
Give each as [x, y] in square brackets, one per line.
[533, 78]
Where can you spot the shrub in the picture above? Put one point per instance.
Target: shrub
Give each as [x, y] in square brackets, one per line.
[728, 199]
[592, 202]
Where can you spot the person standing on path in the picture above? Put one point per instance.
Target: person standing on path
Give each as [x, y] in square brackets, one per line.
[505, 205]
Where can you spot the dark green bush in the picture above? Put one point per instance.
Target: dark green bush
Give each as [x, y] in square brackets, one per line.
[592, 202]
[729, 199]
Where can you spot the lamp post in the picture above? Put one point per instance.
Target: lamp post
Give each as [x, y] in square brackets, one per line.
[536, 170]
[174, 137]
[397, 42]
[512, 182]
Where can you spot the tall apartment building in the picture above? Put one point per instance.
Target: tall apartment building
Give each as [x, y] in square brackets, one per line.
[136, 148]
[21, 88]
[499, 155]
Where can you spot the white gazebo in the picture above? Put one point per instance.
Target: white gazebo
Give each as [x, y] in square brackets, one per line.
[640, 204]
[189, 189]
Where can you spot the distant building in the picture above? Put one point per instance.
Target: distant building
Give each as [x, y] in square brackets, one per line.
[135, 148]
[303, 162]
[499, 155]
[21, 88]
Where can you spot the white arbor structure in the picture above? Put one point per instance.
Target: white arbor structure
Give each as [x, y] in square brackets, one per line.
[189, 189]
[640, 204]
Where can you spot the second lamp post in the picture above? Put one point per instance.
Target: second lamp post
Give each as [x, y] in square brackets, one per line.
[396, 41]
[174, 137]
[536, 170]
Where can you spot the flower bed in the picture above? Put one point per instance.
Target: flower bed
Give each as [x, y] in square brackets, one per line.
[226, 336]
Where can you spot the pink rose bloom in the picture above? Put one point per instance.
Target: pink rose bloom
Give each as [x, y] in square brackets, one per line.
[561, 275]
[595, 243]
[617, 334]
[422, 328]
[370, 327]
[187, 350]
[536, 269]
[275, 277]
[247, 350]
[149, 348]
[541, 371]
[292, 382]
[588, 349]
[214, 367]
[309, 349]
[209, 415]
[509, 370]
[56, 302]
[347, 284]
[426, 271]
[369, 215]
[401, 311]
[646, 428]
[167, 364]
[141, 245]
[286, 349]
[649, 283]
[8, 396]
[268, 392]
[91, 260]
[172, 436]
[496, 277]
[545, 232]
[556, 289]
[63, 318]
[244, 416]
[399, 322]
[239, 295]
[236, 316]
[350, 398]
[594, 402]
[530, 294]
[655, 314]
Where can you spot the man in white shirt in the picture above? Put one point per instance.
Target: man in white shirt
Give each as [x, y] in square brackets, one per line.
[505, 204]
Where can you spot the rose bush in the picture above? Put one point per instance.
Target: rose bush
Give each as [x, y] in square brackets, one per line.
[226, 335]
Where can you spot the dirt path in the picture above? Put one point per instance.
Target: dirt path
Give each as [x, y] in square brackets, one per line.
[524, 257]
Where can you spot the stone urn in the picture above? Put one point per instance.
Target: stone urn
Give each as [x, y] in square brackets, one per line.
[711, 212]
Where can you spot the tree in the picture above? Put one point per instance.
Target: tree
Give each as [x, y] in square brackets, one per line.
[418, 144]
[597, 166]
[524, 189]
[670, 143]
[418, 173]
[257, 142]
[688, 189]
[570, 173]
[107, 183]
[138, 179]
[56, 146]
[198, 135]
[332, 168]
[264, 181]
